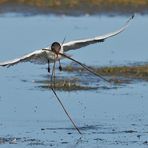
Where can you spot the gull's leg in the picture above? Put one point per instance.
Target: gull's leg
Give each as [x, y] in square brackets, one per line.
[60, 66]
[48, 66]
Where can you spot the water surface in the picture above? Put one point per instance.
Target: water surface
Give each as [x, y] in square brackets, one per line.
[115, 117]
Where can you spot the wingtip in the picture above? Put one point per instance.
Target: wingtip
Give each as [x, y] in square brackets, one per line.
[3, 65]
[132, 16]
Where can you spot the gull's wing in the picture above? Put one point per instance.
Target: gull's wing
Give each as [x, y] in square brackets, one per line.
[84, 42]
[38, 56]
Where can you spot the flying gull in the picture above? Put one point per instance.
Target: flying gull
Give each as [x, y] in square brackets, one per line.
[57, 50]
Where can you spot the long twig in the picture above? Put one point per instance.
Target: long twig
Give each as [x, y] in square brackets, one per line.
[85, 67]
[53, 90]
[66, 111]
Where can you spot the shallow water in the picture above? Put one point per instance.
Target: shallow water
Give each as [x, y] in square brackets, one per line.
[31, 117]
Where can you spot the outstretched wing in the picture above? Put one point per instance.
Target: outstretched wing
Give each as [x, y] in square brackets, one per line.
[84, 42]
[38, 56]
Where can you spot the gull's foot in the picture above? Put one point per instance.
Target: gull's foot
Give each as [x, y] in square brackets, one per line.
[60, 68]
[48, 69]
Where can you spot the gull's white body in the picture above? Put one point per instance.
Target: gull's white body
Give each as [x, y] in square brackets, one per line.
[42, 56]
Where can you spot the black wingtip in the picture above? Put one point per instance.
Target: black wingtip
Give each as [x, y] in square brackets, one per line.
[130, 18]
[133, 16]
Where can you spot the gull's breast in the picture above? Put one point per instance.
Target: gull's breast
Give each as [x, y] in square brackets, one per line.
[52, 56]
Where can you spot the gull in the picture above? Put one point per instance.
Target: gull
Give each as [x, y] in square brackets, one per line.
[57, 50]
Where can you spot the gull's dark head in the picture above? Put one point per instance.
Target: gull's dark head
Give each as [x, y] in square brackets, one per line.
[56, 47]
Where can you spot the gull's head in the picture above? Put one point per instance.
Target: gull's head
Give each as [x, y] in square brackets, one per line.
[56, 47]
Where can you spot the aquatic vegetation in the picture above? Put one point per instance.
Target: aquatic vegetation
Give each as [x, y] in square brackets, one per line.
[132, 72]
[117, 75]
[72, 84]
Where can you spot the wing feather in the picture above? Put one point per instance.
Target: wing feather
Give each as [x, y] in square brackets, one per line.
[84, 42]
[38, 56]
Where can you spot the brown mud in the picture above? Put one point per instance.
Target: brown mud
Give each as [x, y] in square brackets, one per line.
[75, 7]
